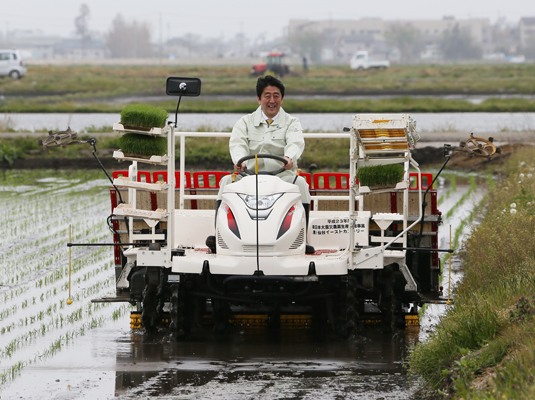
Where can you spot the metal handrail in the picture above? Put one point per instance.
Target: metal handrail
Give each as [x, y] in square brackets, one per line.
[184, 135]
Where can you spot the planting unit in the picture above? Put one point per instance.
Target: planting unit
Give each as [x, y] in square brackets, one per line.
[376, 255]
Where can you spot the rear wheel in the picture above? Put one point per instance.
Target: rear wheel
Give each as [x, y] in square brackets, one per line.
[153, 302]
[220, 315]
[319, 316]
[178, 327]
[345, 316]
[14, 75]
[387, 302]
[348, 318]
[150, 303]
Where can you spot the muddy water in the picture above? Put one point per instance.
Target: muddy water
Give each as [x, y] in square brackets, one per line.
[113, 362]
[248, 364]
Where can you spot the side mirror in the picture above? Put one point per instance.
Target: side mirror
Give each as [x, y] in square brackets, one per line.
[183, 86]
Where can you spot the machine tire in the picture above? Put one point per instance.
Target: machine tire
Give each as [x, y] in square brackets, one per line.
[160, 300]
[150, 304]
[387, 301]
[346, 316]
[319, 317]
[348, 306]
[220, 314]
[178, 327]
[352, 315]
[14, 75]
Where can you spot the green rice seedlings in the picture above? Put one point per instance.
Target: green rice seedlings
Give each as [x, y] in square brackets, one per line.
[7, 312]
[143, 115]
[9, 374]
[144, 145]
[380, 175]
[72, 318]
[464, 197]
[7, 329]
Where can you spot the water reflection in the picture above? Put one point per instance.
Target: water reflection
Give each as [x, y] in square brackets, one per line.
[151, 366]
[332, 122]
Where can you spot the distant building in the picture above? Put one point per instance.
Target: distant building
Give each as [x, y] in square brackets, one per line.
[526, 30]
[348, 36]
[350, 44]
[77, 49]
[178, 48]
[33, 44]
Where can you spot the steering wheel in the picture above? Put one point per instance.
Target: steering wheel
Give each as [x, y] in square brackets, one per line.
[272, 156]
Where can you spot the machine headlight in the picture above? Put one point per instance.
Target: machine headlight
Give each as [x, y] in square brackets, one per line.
[264, 202]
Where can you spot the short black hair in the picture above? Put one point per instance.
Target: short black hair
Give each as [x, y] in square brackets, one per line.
[265, 81]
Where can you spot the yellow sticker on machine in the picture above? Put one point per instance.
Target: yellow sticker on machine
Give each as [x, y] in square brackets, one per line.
[381, 121]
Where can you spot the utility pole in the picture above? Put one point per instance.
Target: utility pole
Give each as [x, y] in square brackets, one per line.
[161, 49]
[241, 39]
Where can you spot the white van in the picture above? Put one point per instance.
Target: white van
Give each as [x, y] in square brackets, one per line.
[11, 64]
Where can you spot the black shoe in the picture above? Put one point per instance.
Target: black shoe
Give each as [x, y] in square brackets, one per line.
[308, 249]
[210, 243]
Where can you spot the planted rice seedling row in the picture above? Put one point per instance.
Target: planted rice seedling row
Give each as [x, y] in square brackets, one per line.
[459, 233]
[53, 252]
[32, 234]
[10, 373]
[36, 321]
[13, 294]
[56, 323]
[27, 245]
[61, 287]
[466, 196]
[49, 311]
[102, 276]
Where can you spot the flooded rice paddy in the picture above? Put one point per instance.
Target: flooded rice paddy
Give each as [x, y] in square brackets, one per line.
[332, 122]
[51, 350]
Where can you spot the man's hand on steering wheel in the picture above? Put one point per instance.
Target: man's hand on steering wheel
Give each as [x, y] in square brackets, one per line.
[244, 172]
[241, 168]
[288, 165]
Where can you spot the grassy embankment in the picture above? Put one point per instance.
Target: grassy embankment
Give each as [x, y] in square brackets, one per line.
[484, 347]
[330, 155]
[94, 88]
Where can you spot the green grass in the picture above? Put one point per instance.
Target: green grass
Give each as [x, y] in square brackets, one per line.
[124, 80]
[143, 115]
[9, 153]
[380, 175]
[94, 88]
[143, 144]
[208, 105]
[484, 346]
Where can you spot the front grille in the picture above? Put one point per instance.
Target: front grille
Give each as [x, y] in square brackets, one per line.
[298, 240]
[221, 242]
[261, 249]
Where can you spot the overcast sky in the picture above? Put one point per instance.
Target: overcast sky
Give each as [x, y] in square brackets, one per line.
[216, 18]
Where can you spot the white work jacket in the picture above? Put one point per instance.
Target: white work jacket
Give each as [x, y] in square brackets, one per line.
[251, 135]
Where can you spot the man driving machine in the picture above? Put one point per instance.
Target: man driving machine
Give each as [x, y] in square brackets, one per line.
[268, 130]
